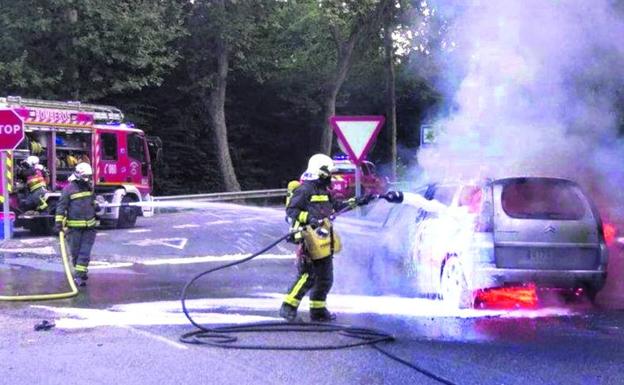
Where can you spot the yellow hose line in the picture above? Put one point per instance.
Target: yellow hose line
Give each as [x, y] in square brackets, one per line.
[68, 275]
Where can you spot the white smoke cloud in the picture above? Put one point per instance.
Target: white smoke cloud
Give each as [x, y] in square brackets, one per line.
[538, 92]
[540, 85]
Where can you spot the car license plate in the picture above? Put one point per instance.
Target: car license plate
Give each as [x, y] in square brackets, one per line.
[541, 257]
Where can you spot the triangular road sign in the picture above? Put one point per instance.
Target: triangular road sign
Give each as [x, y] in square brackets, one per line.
[356, 133]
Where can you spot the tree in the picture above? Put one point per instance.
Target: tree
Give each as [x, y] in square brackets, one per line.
[86, 49]
[222, 33]
[349, 23]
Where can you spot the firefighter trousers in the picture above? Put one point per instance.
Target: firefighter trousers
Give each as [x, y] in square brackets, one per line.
[35, 200]
[315, 275]
[81, 242]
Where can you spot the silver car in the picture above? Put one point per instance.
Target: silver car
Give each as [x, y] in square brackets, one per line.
[507, 231]
[493, 234]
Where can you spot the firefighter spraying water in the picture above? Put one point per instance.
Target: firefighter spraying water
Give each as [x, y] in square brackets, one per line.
[311, 206]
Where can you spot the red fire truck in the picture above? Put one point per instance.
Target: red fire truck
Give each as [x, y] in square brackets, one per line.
[62, 134]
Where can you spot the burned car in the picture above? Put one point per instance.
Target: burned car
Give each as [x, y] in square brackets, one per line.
[494, 233]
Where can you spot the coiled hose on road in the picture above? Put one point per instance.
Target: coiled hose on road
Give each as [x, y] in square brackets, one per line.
[223, 336]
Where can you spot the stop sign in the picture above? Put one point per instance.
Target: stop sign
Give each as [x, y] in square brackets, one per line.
[11, 130]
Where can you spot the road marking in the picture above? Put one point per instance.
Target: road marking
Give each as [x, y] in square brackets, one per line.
[102, 265]
[37, 240]
[139, 231]
[184, 226]
[176, 243]
[236, 310]
[219, 222]
[47, 250]
[230, 221]
[156, 337]
[100, 234]
[148, 314]
[211, 258]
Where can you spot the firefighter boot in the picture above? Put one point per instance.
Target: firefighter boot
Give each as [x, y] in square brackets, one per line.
[81, 280]
[321, 315]
[288, 312]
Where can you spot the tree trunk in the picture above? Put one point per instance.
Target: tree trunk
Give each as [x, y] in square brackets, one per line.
[343, 63]
[216, 107]
[391, 99]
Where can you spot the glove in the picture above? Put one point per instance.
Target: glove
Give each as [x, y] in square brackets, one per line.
[366, 199]
[58, 227]
[99, 202]
[393, 196]
[352, 203]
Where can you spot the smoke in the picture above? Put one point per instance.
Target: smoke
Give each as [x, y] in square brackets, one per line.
[540, 83]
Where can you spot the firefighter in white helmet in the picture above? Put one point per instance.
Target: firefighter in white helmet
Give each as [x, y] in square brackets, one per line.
[310, 205]
[36, 178]
[75, 211]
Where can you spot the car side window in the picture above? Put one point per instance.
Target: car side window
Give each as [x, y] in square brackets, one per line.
[444, 194]
[401, 214]
[109, 146]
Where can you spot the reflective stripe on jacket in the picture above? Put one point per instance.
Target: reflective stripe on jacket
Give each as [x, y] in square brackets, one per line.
[34, 179]
[310, 202]
[76, 206]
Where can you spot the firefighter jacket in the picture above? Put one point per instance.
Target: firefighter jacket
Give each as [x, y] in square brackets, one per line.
[35, 178]
[310, 203]
[77, 206]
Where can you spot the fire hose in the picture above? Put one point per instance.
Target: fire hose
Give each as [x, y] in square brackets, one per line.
[68, 274]
[223, 336]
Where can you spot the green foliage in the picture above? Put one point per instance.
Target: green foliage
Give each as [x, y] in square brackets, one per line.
[86, 49]
[155, 59]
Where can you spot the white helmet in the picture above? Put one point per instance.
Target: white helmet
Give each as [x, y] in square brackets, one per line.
[319, 165]
[32, 161]
[83, 171]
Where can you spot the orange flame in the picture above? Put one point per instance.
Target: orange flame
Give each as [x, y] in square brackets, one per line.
[610, 232]
[508, 297]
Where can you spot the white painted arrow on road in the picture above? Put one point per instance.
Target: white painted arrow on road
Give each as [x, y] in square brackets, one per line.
[176, 243]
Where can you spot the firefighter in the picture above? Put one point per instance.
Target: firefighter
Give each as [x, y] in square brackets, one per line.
[76, 211]
[310, 204]
[36, 177]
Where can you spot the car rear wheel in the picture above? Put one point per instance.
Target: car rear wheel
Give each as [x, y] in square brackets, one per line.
[453, 287]
[591, 292]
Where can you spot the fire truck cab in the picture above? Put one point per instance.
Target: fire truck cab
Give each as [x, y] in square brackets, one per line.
[63, 134]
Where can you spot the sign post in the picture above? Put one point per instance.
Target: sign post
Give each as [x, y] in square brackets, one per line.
[11, 135]
[356, 135]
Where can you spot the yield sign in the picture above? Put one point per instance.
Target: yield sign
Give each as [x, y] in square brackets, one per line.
[356, 133]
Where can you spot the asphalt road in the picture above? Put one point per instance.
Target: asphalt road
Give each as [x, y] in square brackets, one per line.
[123, 328]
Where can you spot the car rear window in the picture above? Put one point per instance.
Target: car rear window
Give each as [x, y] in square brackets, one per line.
[543, 199]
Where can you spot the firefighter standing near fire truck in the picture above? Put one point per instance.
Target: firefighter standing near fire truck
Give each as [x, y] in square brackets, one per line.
[76, 210]
[36, 179]
[311, 204]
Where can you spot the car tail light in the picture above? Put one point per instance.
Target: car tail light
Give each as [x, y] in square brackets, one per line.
[610, 233]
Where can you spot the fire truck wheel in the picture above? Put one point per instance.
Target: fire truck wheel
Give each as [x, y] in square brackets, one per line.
[42, 226]
[127, 215]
